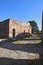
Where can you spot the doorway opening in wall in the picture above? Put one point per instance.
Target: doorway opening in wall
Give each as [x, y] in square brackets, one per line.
[24, 31]
[13, 33]
[28, 30]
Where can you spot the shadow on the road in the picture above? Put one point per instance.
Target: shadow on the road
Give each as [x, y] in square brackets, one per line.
[10, 61]
[30, 48]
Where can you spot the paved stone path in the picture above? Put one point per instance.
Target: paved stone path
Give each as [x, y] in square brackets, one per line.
[13, 52]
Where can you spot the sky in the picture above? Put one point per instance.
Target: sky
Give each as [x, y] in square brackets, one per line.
[22, 10]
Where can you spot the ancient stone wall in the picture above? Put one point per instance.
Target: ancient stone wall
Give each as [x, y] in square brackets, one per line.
[4, 29]
[19, 27]
[11, 27]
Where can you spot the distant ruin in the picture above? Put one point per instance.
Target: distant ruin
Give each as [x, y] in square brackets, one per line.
[9, 28]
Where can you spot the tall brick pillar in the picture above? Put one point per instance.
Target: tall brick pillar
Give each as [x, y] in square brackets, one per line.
[42, 24]
[42, 29]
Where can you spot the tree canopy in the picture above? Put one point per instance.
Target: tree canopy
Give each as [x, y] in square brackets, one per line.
[34, 24]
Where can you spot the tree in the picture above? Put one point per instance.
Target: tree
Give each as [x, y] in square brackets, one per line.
[34, 26]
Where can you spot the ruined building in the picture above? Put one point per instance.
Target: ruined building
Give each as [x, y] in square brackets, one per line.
[9, 28]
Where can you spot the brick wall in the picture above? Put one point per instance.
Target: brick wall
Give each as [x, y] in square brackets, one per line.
[4, 29]
[18, 26]
[7, 26]
[42, 24]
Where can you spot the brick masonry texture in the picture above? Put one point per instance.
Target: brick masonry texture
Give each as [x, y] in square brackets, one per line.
[9, 28]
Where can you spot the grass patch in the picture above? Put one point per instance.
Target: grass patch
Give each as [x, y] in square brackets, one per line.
[27, 41]
[2, 39]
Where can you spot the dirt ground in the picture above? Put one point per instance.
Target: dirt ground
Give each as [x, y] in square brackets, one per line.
[21, 52]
